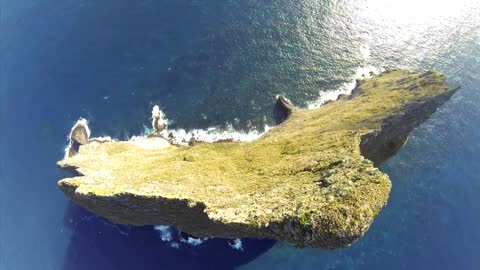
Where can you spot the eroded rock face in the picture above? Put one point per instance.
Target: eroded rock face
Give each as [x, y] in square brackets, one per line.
[79, 135]
[312, 180]
[383, 143]
[282, 110]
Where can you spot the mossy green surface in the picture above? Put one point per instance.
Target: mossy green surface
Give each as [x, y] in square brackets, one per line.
[305, 181]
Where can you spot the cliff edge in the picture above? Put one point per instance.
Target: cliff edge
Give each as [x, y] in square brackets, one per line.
[312, 180]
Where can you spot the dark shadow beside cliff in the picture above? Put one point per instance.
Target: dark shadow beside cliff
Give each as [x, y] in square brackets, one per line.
[96, 243]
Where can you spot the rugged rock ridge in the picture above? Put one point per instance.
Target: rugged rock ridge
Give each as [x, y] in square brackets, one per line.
[305, 181]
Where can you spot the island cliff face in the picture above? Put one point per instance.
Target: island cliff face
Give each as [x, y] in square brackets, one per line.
[312, 180]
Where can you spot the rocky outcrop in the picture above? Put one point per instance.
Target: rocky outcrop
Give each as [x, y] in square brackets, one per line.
[79, 135]
[312, 180]
[383, 143]
[282, 110]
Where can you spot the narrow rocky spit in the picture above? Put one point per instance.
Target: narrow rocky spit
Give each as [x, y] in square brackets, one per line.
[312, 180]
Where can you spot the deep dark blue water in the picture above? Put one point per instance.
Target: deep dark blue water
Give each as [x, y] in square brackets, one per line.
[213, 63]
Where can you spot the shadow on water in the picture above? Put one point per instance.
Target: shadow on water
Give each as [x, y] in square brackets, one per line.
[96, 243]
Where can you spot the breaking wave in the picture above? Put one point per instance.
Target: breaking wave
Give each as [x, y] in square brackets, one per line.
[175, 238]
[210, 135]
[164, 231]
[237, 244]
[326, 96]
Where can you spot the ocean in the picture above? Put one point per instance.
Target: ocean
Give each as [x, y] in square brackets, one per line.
[220, 64]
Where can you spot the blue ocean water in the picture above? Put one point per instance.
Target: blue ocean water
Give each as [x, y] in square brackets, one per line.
[213, 63]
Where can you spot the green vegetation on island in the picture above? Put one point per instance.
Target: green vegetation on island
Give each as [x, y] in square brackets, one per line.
[312, 180]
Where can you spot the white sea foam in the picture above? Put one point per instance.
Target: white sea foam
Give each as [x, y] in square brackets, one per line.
[102, 139]
[193, 241]
[237, 244]
[183, 137]
[210, 135]
[135, 138]
[325, 96]
[156, 111]
[158, 116]
[165, 232]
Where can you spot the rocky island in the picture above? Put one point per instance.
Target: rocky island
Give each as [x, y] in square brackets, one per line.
[312, 180]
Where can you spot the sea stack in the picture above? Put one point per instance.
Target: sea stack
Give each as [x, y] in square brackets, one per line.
[312, 180]
[79, 135]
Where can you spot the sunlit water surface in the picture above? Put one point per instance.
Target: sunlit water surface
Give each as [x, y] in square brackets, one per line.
[220, 63]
